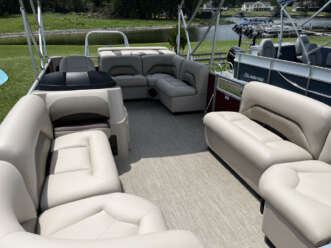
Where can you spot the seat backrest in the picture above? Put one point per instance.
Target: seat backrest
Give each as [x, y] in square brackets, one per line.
[196, 75]
[267, 49]
[25, 139]
[302, 120]
[17, 210]
[166, 64]
[315, 58]
[298, 46]
[328, 61]
[121, 65]
[326, 152]
[76, 64]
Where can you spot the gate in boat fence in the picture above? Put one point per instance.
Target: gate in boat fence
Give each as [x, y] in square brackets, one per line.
[308, 80]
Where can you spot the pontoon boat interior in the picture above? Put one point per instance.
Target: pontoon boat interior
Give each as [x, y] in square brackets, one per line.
[119, 154]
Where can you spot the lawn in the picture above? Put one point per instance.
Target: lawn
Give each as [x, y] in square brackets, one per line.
[15, 61]
[57, 21]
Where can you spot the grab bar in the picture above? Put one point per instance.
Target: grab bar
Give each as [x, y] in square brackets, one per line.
[87, 49]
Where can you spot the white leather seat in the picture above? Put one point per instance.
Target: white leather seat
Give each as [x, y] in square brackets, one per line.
[116, 220]
[102, 217]
[274, 126]
[247, 146]
[298, 204]
[82, 165]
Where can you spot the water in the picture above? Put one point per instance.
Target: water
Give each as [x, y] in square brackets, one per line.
[225, 32]
[154, 36]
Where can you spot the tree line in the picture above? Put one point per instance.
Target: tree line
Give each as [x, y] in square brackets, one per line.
[143, 9]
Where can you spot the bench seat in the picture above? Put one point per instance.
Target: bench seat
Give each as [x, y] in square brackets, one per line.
[82, 165]
[249, 147]
[298, 204]
[109, 216]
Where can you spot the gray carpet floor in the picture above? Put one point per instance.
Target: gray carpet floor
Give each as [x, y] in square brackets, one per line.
[170, 165]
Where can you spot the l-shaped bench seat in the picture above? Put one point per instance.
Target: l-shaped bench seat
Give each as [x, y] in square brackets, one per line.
[66, 192]
[181, 84]
[273, 126]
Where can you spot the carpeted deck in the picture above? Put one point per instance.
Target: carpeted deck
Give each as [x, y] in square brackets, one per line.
[171, 166]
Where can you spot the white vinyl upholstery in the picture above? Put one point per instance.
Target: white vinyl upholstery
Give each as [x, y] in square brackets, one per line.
[76, 64]
[25, 140]
[269, 129]
[298, 197]
[116, 220]
[82, 165]
[102, 217]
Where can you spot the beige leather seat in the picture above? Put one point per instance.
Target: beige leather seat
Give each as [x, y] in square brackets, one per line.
[76, 64]
[298, 204]
[116, 220]
[274, 126]
[82, 163]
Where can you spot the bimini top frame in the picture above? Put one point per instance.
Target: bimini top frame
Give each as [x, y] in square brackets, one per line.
[214, 22]
[283, 4]
[41, 49]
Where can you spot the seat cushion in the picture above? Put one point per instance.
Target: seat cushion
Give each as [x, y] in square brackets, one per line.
[102, 217]
[174, 88]
[301, 193]
[82, 165]
[247, 146]
[152, 79]
[130, 81]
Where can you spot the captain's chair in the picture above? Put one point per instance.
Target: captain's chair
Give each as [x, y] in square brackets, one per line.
[76, 64]
[267, 49]
[314, 58]
[299, 48]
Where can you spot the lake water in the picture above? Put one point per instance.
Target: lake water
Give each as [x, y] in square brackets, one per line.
[154, 36]
[196, 33]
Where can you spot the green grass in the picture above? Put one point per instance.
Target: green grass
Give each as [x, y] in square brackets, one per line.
[15, 61]
[57, 21]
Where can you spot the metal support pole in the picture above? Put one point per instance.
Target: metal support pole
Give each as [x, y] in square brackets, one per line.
[280, 38]
[194, 13]
[179, 30]
[189, 52]
[27, 34]
[297, 33]
[42, 30]
[211, 62]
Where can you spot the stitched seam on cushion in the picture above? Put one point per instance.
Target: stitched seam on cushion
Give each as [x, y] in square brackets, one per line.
[70, 147]
[76, 222]
[238, 126]
[69, 171]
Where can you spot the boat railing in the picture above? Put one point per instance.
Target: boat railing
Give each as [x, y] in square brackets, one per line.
[88, 35]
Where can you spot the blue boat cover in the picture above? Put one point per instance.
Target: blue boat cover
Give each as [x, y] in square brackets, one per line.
[3, 77]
